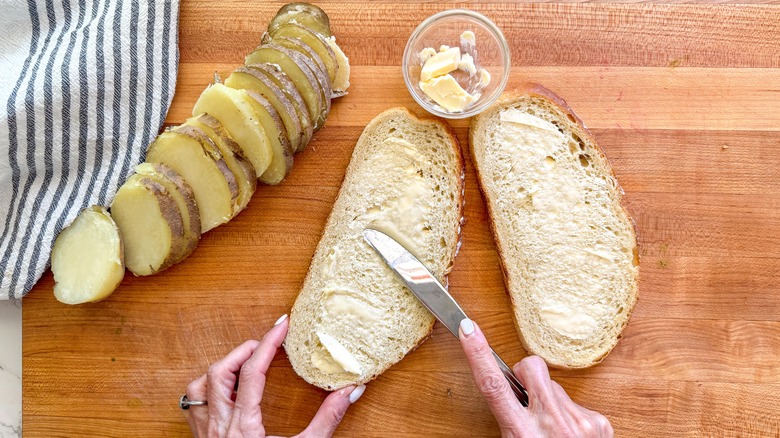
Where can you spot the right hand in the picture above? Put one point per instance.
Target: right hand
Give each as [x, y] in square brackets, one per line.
[550, 411]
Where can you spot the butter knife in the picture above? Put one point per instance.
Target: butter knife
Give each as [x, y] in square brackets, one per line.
[431, 293]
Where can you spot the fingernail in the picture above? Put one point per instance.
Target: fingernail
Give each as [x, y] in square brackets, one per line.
[281, 318]
[357, 393]
[467, 326]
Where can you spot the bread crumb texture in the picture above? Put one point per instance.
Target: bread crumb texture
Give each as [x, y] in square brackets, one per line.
[568, 247]
[404, 179]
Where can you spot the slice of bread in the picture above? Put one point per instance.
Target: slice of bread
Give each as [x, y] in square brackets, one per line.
[406, 179]
[568, 247]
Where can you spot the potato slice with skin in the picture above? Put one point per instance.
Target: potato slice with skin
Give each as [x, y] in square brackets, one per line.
[250, 79]
[150, 225]
[188, 151]
[295, 65]
[231, 108]
[282, 162]
[341, 83]
[183, 196]
[215, 153]
[313, 62]
[304, 14]
[278, 77]
[234, 158]
[87, 259]
[313, 40]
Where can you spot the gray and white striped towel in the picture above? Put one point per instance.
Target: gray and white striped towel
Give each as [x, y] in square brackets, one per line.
[84, 87]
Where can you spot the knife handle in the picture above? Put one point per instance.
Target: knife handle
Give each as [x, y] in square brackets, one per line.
[515, 384]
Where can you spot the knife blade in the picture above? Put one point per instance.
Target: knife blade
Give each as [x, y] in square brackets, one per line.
[431, 294]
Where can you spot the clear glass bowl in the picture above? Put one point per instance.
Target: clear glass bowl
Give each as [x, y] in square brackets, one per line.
[444, 28]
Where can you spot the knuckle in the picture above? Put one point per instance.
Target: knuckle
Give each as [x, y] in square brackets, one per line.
[192, 389]
[533, 362]
[479, 348]
[213, 371]
[588, 428]
[334, 417]
[603, 425]
[492, 385]
[249, 369]
[252, 343]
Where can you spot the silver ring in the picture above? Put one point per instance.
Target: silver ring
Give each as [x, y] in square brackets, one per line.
[185, 402]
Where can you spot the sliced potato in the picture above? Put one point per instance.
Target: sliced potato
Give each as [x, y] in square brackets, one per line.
[234, 158]
[231, 108]
[87, 259]
[341, 83]
[282, 162]
[313, 62]
[250, 79]
[279, 77]
[304, 14]
[296, 67]
[215, 153]
[185, 150]
[150, 225]
[183, 196]
[317, 43]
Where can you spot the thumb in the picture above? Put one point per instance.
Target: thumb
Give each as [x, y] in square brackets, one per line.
[332, 410]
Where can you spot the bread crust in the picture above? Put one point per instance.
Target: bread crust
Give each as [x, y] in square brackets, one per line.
[536, 90]
[456, 149]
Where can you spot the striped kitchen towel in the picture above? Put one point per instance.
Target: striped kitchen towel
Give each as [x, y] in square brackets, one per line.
[84, 87]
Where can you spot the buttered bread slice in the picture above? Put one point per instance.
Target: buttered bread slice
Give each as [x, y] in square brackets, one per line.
[353, 318]
[568, 247]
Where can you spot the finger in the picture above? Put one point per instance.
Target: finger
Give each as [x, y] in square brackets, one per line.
[561, 393]
[543, 400]
[490, 381]
[332, 411]
[221, 380]
[251, 381]
[535, 377]
[197, 416]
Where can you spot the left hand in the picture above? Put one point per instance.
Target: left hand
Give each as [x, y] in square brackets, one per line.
[243, 370]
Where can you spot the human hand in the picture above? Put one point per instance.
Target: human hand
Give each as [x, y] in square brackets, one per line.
[550, 411]
[234, 387]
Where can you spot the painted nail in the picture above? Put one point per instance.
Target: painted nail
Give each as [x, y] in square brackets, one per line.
[467, 326]
[357, 393]
[281, 318]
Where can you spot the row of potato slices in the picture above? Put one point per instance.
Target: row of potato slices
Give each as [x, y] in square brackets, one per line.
[202, 173]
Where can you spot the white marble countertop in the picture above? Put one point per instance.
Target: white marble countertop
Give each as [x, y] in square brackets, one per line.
[10, 369]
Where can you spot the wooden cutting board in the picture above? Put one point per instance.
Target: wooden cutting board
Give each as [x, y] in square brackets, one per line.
[684, 101]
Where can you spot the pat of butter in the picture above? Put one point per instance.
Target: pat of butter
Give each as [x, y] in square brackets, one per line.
[340, 355]
[484, 78]
[392, 230]
[426, 54]
[440, 64]
[468, 36]
[575, 324]
[446, 91]
[345, 304]
[514, 115]
[467, 64]
[323, 361]
[606, 256]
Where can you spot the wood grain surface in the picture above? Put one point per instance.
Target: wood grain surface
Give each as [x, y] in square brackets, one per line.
[684, 101]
